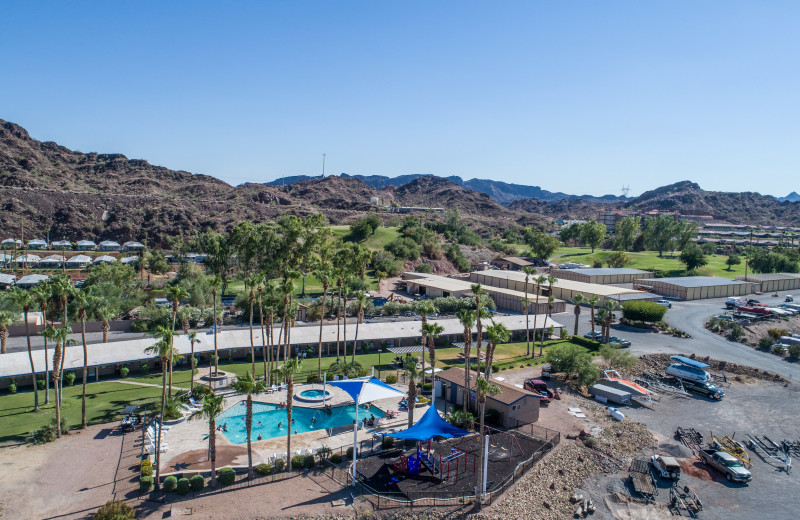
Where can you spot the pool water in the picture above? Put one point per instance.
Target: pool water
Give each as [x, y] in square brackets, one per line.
[315, 394]
[270, 416]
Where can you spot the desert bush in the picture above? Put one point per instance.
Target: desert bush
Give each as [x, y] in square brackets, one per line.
[574, 362]
[794, 351]
[336, 458]
[145, 484]
[12, 386]
[69, 378]
[147, 470]
[349, 452]
[264, 469]
[184, 486]
[309, 461]
[48, 432]
[590, 442]
[736, 332]
[777, 333]
[387, 443]
[765, 342]
[124, 371]
[279, 465]
[115, 510]
[779, 350]
[649, 312]
[227, 476]
[197, 482]
[391, 379]
[170, 484]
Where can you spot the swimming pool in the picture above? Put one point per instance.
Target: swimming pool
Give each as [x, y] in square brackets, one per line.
[270, 416]
[314, 394]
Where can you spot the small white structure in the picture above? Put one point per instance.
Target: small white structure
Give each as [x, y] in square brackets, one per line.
[37, 243]
[128, 259]
[61, 244]
[26, 282]
[7, 280]
[78, 262]
[51, 262]
[9, 243]
[86, 245]
[105, 259]
[28, 259]
[133, 246]
[109, 245]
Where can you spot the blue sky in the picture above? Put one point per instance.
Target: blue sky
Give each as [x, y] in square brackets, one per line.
[581, 97]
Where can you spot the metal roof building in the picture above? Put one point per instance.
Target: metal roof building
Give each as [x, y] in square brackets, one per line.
[104, 259]
[109, 245]
[28, 281]
[772, 282]
[132, 246]
[61, 244]
[86, 245]
[78, 261]
[697, 287]
[602, 275]
[52, 261]
[28, 259]
[7, 280]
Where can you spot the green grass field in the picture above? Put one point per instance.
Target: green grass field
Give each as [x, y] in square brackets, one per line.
[383, 235]
[668, 265]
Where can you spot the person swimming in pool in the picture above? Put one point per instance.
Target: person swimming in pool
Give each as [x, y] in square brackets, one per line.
[259, 437]
[313, 420]
[280, 425]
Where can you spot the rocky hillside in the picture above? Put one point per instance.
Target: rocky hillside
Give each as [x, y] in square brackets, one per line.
[89, 195]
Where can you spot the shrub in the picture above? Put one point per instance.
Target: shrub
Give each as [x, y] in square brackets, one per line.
[336, 458]
[297, 461]
[145, 368]
[69, 378]
[139, 326]
[387, 443]
[309, 461]
[313, 378]
[794, 351]
[597, 263]
[145, 484]
[200, 391]
[227, 476]
[424, 268]
[649, 312]
[264, 469]
[147, 470]
[563, 334]
[779, 350]
[183, 486]
[427, 387]
[590, 442]
[124, 372]
[115, 510]
[48, 432]
[40, 383]
[736, 332]
[170, 484]
[495, 368]
[571, 360]
[777, 333]
[349, 452]
[197, 482]
[279, 465]
[12, 386]
[765, 342]
[392, 379]
[588, 343]
[492, 415]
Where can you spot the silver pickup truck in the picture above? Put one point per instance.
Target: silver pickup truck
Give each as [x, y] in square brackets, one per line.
[726, 463]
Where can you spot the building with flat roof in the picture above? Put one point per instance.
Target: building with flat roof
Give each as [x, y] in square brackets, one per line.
[109, 245]
[7, 280]
[133, 246]
[562, 289]
[696, 287]
[515, 405]
[511, 262]
[772, 282]
[61, 244]
[37, 243]
[78, 262]
[28, 281]
[602, 275]
[86, 245]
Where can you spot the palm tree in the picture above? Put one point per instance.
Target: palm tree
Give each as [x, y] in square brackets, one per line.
[578, 299]
[105, 314]
[529, 271]
[431, 331]
[41, 295]
[247, 385]
[285, 289]
[495, 333]
[361, 298]
[478, 292]
[347, 369]
[424, 308]
[168, 335]
[81, 301]
[551, 280]
[287, 372]
[62, 289]
[175, 293]
[192, 341]
[339, 285]
[6, 319]
[592, 303]
[410, 368]
[22, 298]
[540, 280]
[610, 306]
[483, 388]
[323, 275]
[163, 349]
[467, 319]
[263, 331]
[211, 409]
[61, 336]
[345, 291]
[214, 285]
[251, 282]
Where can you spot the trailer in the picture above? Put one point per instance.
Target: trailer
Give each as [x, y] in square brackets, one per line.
[606, 394]
[778, 453]
[690, 438]
[735, 448]
[641, 479]
[657, 383]
[684, 499]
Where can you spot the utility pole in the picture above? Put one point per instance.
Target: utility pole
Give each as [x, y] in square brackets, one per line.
[323, 166]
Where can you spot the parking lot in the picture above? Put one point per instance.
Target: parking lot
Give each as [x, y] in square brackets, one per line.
[758, 408]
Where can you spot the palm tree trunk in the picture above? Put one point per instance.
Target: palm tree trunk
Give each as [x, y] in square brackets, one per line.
[355, 340]
[249, 426]
[263, 336]
[479, 472]
[212, 449]
[468, 371]
[527, 326]
[535, 315]
[105, 331]
[344, 329]
[412, 400]
[289, 396]
[592, 321]
[252, 344]
[321, 319]
[338, 316]
[172, 342]
[46, 365]
[30, 358]
[161, 423]
[85, 364]
[191, 374]
[577, 315]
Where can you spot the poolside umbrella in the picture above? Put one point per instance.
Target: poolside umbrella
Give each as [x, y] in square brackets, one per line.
[429, 426]
[364, 390]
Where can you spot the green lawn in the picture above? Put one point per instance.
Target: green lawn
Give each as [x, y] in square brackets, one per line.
[104, 402]
[668, 265]
[383, 235]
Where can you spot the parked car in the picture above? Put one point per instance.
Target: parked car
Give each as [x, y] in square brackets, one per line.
[704, 388]
[624, 343]
[726, 463]
[537, 386]
[597, 335]
[789, 298]
[666, 467]
[665, 303]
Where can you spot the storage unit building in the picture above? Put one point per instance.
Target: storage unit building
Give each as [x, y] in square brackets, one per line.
[772, 282]
[602, 275]
[697, 287]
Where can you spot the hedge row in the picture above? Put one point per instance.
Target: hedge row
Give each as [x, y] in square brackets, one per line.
[649, 312]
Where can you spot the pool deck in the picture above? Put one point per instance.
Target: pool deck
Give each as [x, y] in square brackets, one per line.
[186, 438]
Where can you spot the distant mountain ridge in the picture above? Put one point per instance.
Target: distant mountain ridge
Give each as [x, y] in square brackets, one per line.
[503, 192]
[792, 197]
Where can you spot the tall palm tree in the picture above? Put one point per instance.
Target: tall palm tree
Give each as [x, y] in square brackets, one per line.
[592, 304]
[410, 368]
[251, 282]
[211, 409]
[287, 372]
[578, 299]
[175, 293]
[424, 308]
[361, 298]
[22, 299]
[81, 301]
[214, 285]
[192, 340]
[324, 275]
[551, 281]
[163, 349]
[478, 292]
[285, 289]
[263, 331]
[248, 386]
[529, 271]
[41, 295]
[62, 339]
[483, 388]
[610, 306]
[6, 319]
[168, 335]
[105, 314]
[538, 281]
[467, 319]
[495, 333]
[431, 331]
[345, 293]
[339, 285]
[62, 289]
